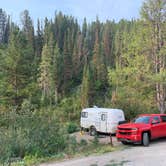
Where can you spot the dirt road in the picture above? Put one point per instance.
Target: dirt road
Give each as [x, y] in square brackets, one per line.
[154, 155]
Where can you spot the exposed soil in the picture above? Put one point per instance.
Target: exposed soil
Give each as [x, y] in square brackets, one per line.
[133, 155]
[103, 138]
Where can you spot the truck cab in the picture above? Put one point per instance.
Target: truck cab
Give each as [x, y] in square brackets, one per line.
[142, 129]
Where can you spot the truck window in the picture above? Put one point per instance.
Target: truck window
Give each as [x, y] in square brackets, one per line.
[103, 117]
[84, 114]
[142, 119]
[156, 118]
[163, 118]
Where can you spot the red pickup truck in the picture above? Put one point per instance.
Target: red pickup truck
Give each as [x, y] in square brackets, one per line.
[142, 129]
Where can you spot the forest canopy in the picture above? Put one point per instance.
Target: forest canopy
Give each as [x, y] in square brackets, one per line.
[63, 65]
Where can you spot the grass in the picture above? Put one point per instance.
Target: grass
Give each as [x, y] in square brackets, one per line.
[97, 150]
[83, 148]
[88, 150]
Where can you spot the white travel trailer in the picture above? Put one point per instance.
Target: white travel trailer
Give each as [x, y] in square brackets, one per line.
[103, 120]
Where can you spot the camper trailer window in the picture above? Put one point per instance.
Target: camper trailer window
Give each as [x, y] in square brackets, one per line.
[84, 114]
[103, 117]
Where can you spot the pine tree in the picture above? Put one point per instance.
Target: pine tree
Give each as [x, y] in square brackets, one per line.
[96, 55]
[7, 31]
[118, 48]
[107, 44]
[67, 60]
[99, 67]
[56, 73]
[15, 81]
[3, 21]
[86, 50]
[3, 81]
[39, 39]
[45, 79]
[77, 58]
[28, 29]
[86, 88]
[84, 28]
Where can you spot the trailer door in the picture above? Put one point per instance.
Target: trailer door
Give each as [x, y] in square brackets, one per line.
[103, 122]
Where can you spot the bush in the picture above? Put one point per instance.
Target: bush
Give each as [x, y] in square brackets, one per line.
[72, 127]
[95, 141]
[31, 133]
[72, 145]
[83, 142]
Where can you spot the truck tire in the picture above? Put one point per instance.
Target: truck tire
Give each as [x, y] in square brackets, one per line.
[145, 139]
[92, 131]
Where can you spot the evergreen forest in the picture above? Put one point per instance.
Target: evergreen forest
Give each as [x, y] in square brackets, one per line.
[50, 72]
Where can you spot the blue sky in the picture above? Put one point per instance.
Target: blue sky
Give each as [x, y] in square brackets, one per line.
[104, 9]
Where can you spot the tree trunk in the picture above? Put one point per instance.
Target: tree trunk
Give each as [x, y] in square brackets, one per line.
[160, 92]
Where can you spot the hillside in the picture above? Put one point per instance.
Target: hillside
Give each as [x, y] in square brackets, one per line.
[50, 72]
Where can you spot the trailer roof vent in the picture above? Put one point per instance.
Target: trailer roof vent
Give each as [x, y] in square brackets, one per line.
[95, 106]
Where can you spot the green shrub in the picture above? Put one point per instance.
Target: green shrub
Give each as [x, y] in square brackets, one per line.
[95, 141]
[72, 145]
[72, 127]
[31, 133]
[83, 142]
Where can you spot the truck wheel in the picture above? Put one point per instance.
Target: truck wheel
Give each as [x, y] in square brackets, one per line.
[92, 131]
[145, 139]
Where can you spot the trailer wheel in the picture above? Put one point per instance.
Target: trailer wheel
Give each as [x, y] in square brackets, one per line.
[92, 131]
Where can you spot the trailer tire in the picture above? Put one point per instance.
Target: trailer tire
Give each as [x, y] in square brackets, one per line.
[92, 131]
